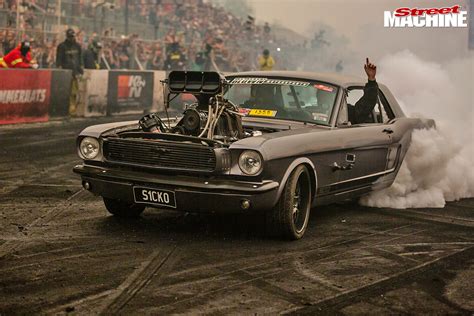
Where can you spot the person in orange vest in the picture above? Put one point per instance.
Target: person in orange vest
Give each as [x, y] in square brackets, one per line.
[19, 57]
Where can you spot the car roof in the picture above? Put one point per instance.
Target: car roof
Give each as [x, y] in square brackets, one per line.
[333, 78]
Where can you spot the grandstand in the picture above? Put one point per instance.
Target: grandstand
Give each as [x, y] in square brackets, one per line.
[139, 34]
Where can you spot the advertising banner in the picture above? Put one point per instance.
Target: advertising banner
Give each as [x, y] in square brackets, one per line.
[25, 96]
[130, 92]
[471, 24]
[93, 93]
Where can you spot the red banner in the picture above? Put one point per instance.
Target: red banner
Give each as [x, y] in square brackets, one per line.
[24, 95]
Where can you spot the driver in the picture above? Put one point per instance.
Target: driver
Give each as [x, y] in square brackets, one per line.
[325, 101]
[262, 96]
[361, 112]
[265, 96]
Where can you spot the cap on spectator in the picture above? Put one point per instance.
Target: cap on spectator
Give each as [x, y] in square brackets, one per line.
[70, 33]
[266, 52]
[97, 44]
[25, 47]
[25, 44]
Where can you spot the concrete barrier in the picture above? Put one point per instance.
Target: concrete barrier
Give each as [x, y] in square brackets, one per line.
[24, 95]
[158, 95]
[36, 95]
[60, 92]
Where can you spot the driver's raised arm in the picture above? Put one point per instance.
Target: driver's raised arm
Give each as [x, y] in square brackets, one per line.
[364, 107]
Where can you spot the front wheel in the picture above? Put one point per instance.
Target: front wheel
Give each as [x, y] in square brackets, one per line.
[123, 209]
[289, 218]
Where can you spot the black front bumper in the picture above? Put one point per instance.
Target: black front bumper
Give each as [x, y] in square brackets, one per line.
[193, 194]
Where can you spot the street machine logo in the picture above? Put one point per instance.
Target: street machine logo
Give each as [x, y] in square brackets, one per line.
[130, 86]
[428, 17]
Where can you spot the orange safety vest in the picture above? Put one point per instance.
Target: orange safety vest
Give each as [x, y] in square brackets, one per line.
[14, 59]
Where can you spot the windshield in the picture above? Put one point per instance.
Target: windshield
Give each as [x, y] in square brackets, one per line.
[306, 101]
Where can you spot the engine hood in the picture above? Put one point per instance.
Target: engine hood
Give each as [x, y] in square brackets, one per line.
[292, 134]
[116, 127]
[98, 130]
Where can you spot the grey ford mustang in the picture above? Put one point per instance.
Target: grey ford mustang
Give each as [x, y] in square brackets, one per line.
[278, 143]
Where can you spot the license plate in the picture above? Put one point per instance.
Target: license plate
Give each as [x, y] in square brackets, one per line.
[154, 196]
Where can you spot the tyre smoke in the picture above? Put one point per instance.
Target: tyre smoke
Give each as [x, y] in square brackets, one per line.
[438, 165]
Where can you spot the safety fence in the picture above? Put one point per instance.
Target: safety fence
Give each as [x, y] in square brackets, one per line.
[39, 95]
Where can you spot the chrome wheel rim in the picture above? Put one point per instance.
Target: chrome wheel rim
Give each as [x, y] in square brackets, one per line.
[300, 204]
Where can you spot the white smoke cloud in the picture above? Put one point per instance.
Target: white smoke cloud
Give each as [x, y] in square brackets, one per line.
[438, 165]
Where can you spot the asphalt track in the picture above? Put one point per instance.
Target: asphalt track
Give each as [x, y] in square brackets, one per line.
[61, 252]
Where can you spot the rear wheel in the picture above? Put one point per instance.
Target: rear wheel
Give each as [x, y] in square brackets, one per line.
[290, 216]
[123, 209]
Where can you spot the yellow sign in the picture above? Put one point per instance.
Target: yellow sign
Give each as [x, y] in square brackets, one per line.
[258, 112]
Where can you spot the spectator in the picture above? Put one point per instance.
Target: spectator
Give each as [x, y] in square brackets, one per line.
[200, 61]
[124, 53]
[20, 57]
[266, 28]
[266, 61]
[192, 24]
[92, 55]
[175, 59]
[8, 42]
[69, 56]
[157, 61]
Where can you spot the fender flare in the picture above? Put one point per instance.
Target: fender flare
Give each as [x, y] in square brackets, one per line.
[295, 163]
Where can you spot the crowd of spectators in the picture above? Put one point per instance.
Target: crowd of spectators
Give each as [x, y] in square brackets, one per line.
[195, 35]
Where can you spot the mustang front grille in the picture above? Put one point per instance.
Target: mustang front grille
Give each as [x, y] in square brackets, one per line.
[155, 154]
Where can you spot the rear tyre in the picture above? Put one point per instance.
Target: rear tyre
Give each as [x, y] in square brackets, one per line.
[123, 209]
[289, 218]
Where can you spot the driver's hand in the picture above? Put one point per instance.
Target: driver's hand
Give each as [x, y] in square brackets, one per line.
[370, 69]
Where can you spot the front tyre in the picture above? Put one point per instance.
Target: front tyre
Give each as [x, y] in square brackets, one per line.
[123, 209]
[289, 218]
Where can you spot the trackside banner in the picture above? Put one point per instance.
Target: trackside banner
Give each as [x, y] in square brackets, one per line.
[130, 91]
[24, 95]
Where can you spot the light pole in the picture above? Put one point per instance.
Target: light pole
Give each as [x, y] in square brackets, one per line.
[126, 17]
[18, 18]
[58, 11]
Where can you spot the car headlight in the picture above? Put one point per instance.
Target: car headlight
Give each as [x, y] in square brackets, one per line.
[250, 162]
[89, 148]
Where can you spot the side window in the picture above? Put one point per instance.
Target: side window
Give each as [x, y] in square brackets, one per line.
[343, 117]
[380, 117]
[240, 95]
[380, 114]
[354, 95]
